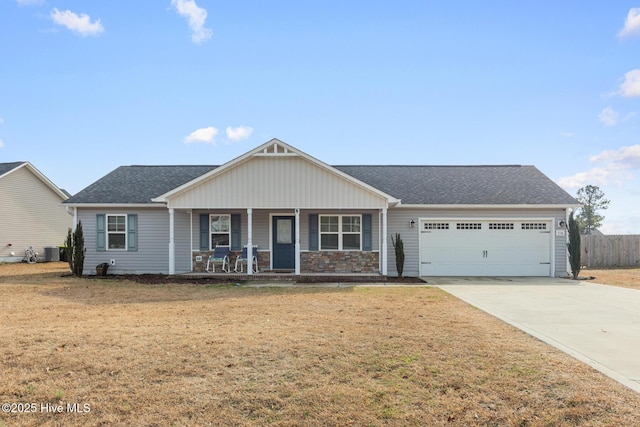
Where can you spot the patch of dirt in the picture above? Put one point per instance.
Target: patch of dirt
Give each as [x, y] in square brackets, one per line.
[192, 354]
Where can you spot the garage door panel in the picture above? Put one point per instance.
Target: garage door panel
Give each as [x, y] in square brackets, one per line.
[485, 247]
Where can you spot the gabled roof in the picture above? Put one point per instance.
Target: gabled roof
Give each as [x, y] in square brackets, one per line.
[411, 185]
[137, 184]
[7, 168]
[463, 185]
[274, 147]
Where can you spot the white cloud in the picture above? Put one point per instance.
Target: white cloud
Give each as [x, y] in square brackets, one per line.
[238, 134]
[203, 135]
[631, 24]
[614, 166]
[196, 17]
[609, 117]
[80, 24]
[1, 144]
[623, 158]
[631, 86]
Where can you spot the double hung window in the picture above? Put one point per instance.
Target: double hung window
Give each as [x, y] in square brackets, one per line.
[341, 232]
[220, 229]
[117, 232]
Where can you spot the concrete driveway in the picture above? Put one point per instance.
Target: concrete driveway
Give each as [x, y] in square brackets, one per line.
[597, 324]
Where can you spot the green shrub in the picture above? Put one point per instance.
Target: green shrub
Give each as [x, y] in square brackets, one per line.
[398, 246]
[75, 250]
[574, 246]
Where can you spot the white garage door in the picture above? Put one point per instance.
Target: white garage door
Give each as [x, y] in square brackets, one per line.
[485, 248]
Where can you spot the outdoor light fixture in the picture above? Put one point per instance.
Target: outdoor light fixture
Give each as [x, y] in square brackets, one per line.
[561, 223]
[412, 223]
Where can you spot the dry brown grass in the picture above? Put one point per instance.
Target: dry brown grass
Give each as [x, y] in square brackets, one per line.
[192, 355]
[626, 278]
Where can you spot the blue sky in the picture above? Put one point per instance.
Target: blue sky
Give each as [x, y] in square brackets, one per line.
[88, 86]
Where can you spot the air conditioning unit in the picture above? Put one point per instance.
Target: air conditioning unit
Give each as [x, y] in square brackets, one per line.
[51, 253]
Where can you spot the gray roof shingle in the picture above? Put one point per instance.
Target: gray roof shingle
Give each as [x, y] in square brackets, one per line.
[137, 184]
[422, 185]
[6, 167]
[463, 185]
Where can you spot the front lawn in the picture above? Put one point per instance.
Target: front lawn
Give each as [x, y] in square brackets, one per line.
[195, 354]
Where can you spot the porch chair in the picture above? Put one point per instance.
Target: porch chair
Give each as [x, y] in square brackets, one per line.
[220, 256]
[243, 259]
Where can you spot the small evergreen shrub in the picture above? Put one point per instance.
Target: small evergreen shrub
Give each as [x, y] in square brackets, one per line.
[398, 246]
[75, 250]
[574, 246]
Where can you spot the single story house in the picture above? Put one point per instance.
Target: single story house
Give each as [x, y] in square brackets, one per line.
[31, 212]
[308, 217]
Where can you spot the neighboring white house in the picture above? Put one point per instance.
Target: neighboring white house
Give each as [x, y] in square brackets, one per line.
[308, 217]
[31, 211]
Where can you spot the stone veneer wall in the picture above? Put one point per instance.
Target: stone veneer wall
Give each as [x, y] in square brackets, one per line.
[339, 262]
[311, 262]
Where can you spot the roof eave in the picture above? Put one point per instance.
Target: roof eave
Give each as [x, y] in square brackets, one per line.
[487, 206]
[115, 205]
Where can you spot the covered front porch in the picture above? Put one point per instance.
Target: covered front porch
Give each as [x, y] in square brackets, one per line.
[298, 242]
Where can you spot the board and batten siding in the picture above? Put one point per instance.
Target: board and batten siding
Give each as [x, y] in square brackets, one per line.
[278, 183]
[152, 255]
[398, 222]
[31, 214]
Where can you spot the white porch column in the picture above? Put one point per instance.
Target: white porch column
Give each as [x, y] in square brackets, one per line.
[383, 251]
[250, 241]
[172, 244]
[74, 224]
[191, 239]
[297, 247]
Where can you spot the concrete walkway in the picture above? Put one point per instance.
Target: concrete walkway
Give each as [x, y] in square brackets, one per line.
[597, 324]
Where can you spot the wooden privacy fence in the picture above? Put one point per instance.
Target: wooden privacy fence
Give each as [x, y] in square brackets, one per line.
[610, 251]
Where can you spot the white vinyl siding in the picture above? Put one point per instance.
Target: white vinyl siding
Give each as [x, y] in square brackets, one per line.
[31, 214]
[278, 183]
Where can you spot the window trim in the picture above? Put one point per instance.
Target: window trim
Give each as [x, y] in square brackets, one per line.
[340, 233]
[109, 233]
[211, 232]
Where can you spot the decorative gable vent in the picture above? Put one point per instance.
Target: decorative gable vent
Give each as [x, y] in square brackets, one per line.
[276, 149]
